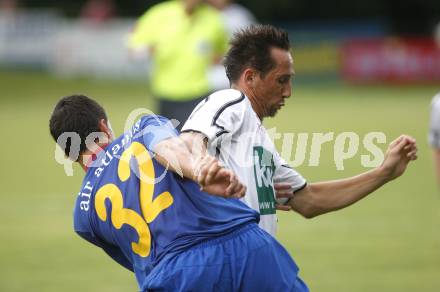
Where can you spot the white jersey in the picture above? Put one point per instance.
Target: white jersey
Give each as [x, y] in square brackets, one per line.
[239, 140]
[434, 127]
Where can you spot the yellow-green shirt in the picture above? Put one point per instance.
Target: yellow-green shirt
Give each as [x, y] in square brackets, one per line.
[183, 47]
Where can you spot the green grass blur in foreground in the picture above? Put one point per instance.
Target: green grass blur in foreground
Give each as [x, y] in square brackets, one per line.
[388, 242]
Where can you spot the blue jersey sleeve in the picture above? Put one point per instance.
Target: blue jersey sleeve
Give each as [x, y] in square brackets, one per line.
[155, 129]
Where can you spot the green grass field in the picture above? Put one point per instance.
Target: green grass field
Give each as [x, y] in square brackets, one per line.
[388, 242]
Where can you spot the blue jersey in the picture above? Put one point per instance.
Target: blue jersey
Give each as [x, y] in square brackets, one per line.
[138, 212]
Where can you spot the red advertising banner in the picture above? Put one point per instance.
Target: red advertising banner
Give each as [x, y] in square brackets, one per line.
[391, 60]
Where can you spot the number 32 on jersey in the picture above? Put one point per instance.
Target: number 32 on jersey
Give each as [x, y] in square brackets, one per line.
[150, 208]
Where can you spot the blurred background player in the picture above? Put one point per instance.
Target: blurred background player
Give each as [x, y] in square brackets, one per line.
[434, 133]
[434, 125]
[235, 17]
[184, 38]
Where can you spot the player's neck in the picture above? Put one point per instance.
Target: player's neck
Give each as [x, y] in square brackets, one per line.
[88, 157]
[81, 162]
[189, 8]
[256, 104]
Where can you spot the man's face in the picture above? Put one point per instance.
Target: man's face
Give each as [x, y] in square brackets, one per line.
[272, 89]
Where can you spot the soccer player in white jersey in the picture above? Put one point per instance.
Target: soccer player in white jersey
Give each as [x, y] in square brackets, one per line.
[434, 132]
[228, 124]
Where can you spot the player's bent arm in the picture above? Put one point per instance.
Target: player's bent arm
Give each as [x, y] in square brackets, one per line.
[213, 178]
[186, 155]
[195, 142]
[323, 197]
[173, 154]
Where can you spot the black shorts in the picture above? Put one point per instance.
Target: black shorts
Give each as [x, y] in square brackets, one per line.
[179, 110]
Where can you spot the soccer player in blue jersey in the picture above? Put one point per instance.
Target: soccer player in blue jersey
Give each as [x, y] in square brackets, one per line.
[161, 226]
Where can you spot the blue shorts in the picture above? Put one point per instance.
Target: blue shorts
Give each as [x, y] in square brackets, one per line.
[248, 259]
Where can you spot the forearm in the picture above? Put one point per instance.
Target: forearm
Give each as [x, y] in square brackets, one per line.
[324, 197]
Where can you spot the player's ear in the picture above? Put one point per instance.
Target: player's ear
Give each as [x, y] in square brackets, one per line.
[249, 77]
[105, 127]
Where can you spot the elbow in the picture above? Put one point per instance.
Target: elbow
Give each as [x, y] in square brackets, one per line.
[309, 213]
[309, 202]
[311, 207]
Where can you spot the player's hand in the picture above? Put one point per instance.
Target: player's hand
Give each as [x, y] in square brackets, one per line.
[217, 180]
[400, 152]
[283, 191]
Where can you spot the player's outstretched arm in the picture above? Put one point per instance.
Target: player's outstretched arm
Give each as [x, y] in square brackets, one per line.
[323, 197]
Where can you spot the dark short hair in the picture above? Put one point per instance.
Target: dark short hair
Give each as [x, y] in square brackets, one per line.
[75, 113]
[250, 47]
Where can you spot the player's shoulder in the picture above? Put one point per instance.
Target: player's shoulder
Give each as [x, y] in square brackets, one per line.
[167, 4]
[163, 7]
[209, 11]
[153, 119]
[227, 107]
[226, 98]
[223, 103]
[153, 124]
